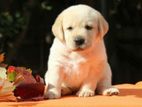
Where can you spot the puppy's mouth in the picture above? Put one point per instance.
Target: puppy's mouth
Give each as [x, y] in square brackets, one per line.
[79, 49]
[82, 47]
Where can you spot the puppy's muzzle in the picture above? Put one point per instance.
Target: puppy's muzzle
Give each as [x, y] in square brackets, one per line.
[79, 41]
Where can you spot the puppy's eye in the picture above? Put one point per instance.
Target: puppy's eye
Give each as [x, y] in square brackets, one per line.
[69, 28]
[88, 27]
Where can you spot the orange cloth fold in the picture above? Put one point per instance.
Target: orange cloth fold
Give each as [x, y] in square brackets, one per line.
[130, 96]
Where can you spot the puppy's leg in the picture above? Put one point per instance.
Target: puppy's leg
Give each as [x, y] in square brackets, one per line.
[104, 86]
[87, 89]
[53, 84]
[65, 90]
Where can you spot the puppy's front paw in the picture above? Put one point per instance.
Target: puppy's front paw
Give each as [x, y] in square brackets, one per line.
[52, 94]
[111, 91]
[85, 93]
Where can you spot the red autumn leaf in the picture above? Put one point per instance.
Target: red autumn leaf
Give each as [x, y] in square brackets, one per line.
[11, 69]
[28, 91]
[26, 76]
[39, 79]
[28, 87]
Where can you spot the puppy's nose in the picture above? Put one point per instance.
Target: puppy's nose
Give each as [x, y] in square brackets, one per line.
[79, 41]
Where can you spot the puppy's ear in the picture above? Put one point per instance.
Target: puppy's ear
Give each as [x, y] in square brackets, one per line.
[102, 26]
[57, 28]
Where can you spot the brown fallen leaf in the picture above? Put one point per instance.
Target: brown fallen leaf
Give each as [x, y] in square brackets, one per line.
[6, 90]
[23, 76]
[28, 87]
[29, 91]
[8, 97]
[1, 57]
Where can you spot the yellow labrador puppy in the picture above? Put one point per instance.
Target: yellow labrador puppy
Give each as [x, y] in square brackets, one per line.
[77, 60]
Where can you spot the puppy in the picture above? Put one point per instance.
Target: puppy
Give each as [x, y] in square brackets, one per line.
[77, 60]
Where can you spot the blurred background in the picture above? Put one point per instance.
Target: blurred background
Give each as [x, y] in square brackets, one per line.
[26, 37]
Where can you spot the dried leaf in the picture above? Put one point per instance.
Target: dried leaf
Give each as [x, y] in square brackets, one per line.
[8, 97]
[25, 75]
[18, 80]
[11, 76]
[27, 87]
[29, 91]
[1, 57]
[39, 79]
[11, 69]
[6, 90]
[3, 73]
[6, 86]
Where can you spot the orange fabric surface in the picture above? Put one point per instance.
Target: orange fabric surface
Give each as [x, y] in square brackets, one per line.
[130, 96]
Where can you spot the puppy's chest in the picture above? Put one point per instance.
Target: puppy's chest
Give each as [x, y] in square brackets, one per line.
[74, 64]
[76, 70]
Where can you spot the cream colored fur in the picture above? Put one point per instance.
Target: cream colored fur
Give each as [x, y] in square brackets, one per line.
[82, 69]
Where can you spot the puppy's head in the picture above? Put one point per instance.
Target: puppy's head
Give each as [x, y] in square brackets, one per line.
[79, 26]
